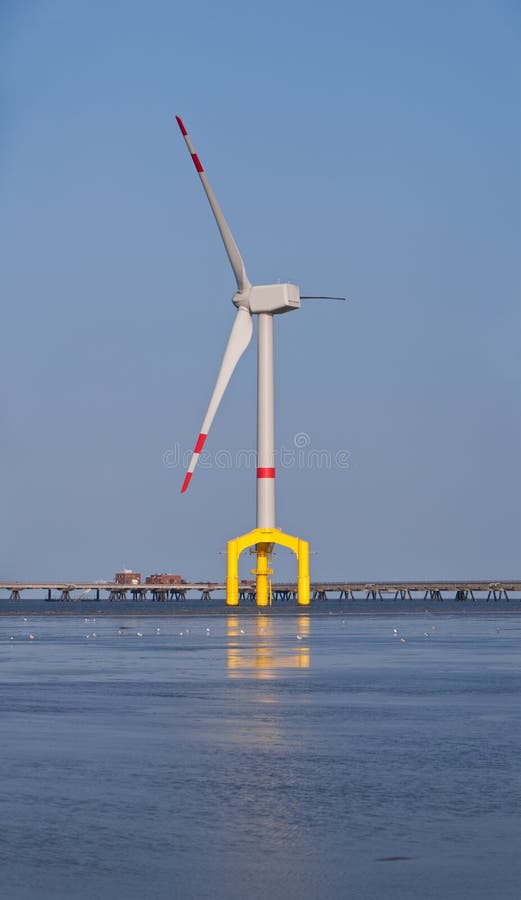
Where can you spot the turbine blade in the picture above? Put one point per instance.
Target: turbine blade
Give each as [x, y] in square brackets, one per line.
[319, 297]
[240, 337]
[231, 247]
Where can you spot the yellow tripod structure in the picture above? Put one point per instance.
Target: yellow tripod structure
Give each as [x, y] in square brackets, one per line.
[263, 539]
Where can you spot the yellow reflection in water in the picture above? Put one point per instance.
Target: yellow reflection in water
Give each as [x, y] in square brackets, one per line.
[303, 626]
[258, 655]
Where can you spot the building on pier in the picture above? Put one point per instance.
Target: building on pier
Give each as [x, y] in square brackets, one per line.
[164, 579]
[127, 577]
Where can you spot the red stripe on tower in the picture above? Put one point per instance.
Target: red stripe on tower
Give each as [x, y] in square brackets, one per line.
[181, 126]
[197, 162]
[186, 482]
[200, 443]
[266, 473]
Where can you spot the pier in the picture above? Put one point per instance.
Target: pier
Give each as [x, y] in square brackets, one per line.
[349, 591]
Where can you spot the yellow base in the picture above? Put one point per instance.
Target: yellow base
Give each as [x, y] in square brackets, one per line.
[264, 539]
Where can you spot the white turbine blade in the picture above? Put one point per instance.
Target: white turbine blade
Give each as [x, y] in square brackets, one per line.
[231, 247]
[239, 339]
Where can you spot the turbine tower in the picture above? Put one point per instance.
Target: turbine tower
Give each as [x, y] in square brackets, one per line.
[264, 301]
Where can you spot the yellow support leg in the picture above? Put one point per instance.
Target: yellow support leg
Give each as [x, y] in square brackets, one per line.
[303, 573]
[232, 574]
[262, 573]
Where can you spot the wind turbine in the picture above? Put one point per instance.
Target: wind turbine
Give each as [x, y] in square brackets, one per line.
[264, 301]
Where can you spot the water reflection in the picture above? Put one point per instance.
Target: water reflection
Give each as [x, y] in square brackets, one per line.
[259, 648]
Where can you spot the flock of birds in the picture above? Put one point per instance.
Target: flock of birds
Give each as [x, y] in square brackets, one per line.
[127, 630]
[122, 630]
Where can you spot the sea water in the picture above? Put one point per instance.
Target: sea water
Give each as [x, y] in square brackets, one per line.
[260, 756]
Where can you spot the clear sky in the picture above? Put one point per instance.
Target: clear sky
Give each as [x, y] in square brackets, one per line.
[370, 149]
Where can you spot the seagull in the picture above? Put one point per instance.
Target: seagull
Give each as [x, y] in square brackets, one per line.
[32, 637]
[299, 637]
[395, 631]
[140, 634]
[403, 640]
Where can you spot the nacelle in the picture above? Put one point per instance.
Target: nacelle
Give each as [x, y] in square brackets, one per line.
[272, 298]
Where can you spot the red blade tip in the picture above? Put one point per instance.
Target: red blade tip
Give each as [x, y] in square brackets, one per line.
[181, 126]
[186, 482]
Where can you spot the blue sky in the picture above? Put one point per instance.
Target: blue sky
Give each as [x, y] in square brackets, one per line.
[363, 148]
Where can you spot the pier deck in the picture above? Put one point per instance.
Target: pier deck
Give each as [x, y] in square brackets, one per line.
[286, 591]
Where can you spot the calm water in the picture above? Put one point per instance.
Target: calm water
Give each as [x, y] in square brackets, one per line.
[253, 757]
